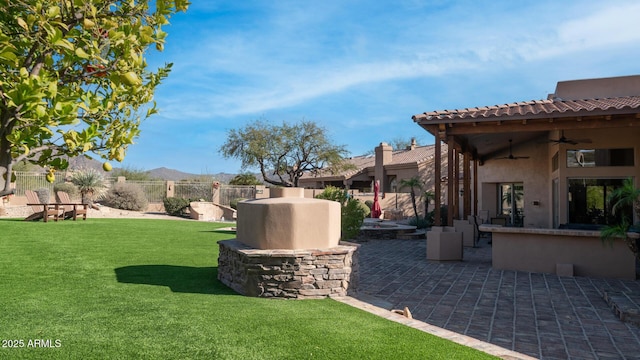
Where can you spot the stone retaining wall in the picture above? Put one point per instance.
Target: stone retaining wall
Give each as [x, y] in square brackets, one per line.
[297, 274]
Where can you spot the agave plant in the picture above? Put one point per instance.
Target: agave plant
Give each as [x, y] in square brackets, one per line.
[90, 183]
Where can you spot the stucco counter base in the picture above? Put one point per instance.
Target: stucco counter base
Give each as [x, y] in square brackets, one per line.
[560, 251]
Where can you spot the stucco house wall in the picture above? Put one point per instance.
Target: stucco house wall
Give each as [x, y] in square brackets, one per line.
[601, 139]
[533, 173]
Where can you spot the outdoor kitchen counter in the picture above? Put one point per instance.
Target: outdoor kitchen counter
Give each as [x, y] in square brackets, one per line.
[565, 252]
[558, 232]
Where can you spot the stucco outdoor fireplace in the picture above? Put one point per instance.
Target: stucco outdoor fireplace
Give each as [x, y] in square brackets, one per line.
[288, 246]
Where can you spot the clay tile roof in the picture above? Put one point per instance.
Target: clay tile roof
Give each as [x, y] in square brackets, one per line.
[407, 156]
[360, 163]
[417, 155]
[551, 107]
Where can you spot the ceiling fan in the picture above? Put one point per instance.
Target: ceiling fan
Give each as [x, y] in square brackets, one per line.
[511, 156]
[564, 140]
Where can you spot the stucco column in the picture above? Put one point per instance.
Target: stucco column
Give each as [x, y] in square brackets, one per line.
[450, 183]
[466, 185]
[475, 187]
[215, 192]
[437, 171]
[171, 189]
[456, 185]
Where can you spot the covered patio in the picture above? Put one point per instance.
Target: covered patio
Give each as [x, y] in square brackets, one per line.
[541, 165]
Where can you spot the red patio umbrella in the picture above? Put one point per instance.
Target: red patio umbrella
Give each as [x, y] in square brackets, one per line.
[375, 209]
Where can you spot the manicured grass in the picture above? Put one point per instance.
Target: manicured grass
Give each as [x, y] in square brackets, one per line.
[147, 289]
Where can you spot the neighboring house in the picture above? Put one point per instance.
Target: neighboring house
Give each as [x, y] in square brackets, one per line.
[544, 163]
[387, 165]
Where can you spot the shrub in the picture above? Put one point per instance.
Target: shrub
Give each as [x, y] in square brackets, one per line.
[176, 206]
[126, 197]
[43, 195]
[421, 223]
[334, 194]
[352, 212]
[443, 216]
[234, 203]
[365, 208]
[369, 204]
[69, 188]
[353, 215]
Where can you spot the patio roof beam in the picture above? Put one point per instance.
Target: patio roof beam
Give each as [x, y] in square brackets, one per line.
[545, 125]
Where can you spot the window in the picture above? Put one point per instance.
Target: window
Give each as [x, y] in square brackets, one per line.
[600, 157]
[588, 201]
[393, 184]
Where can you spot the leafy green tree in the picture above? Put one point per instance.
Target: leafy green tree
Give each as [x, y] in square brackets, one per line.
[73, 77]
[284, 153]
[245, 179]
[413, 184]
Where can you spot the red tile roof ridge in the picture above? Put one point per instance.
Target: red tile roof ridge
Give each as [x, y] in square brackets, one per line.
[534, 107]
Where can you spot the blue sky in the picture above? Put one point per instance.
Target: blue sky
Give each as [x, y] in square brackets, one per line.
[361, 69]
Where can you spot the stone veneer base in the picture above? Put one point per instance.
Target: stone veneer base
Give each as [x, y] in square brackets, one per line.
[292, 274]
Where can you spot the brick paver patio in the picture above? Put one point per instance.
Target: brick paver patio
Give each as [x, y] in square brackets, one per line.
[541, 315]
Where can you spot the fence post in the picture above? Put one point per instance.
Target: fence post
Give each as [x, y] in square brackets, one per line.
[171, 188]
[260, 192]
[215, 192]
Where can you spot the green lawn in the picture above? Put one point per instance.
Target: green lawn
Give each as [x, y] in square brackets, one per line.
[147, 289]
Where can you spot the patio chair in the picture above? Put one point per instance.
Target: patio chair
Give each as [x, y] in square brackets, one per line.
[71, 210]
[40, 210]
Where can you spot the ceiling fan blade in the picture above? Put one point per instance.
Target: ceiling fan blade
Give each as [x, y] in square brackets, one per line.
[511, 156]
[565, 140]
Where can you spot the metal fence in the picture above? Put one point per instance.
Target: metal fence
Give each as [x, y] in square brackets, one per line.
[154, 190]
[229, 193]
[194, 190]
[33, 181]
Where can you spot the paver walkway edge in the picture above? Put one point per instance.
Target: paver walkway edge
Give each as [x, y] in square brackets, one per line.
[434, 330]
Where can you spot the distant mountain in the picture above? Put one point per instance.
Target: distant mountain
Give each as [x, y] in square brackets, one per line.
[163, 173]
[176, 175]
[169, 174]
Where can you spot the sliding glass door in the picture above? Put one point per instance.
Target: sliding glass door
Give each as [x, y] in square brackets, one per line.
[511, 203]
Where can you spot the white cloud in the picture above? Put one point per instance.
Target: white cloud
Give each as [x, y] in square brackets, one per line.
[287, 60]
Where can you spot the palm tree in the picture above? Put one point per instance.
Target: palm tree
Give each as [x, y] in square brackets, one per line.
[428, 196]
[90, 183]
[245, 179]
[622, 200]
[413, 183]
[625, 197]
